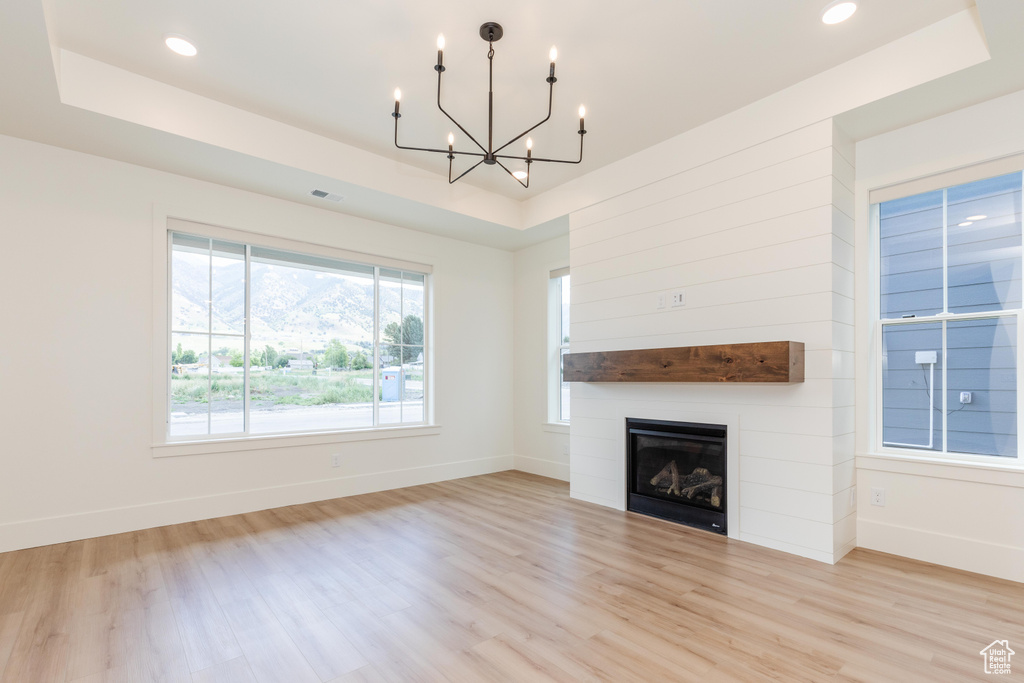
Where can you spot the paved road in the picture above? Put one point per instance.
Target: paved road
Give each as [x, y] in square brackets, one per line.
[298, 418]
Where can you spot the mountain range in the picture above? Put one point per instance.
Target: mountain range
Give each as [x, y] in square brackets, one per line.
[291, 307]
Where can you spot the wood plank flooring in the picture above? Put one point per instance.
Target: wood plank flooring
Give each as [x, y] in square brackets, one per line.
[493, 578]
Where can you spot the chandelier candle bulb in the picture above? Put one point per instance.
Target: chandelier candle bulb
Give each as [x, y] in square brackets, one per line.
[529, 149]
[451, 142]
[398, 99]
[553, 55]
[583, 112]
[440, 51]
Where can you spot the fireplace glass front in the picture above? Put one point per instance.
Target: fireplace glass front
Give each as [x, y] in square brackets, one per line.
[677, 471]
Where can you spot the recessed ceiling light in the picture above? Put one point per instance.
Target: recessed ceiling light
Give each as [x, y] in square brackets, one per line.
[965, 224]
[838, 11]
[180, 45]
[977, 218]
[521, 175]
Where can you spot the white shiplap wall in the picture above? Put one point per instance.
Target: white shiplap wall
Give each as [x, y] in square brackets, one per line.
[761, 242]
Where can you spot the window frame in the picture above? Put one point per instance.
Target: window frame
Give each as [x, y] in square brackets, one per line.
[164, 445]
[942, 181]
[555, 346]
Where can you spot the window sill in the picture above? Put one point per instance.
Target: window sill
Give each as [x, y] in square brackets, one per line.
[254, 443]
[556, 427]
[1001, 474]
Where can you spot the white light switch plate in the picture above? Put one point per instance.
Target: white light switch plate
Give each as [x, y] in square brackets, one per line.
[678, 298]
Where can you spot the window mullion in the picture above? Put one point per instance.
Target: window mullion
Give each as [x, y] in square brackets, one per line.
[1020, 379]
[945, 255]
[376, 346]
[209, 347]
[247, 334]
[170, 336]
[945, 387]
[401, 347]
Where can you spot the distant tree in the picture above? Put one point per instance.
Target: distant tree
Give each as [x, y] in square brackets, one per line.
[336, 355]
[282, 361]
[360, 361]
[269, 356]
[409, 333]
[179, 357]
[237, 359]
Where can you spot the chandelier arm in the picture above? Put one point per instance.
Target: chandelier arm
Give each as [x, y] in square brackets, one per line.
[452, 119]
[514, 175]
[551, 95]
[428, 149]
[442, 151]
[553, 161]
[450, 181]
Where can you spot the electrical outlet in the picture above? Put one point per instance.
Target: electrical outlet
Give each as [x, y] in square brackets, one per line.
[661, 301]
[678, 298]
[853, 496]
[565, 449]
[336, 460]
[878, 496]
[965, 397]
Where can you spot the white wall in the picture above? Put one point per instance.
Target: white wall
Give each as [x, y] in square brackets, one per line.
[760, 240]
[540, 447]
[965, 515]
[77, 349]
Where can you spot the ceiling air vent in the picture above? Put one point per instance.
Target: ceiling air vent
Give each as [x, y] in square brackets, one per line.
[327, 195]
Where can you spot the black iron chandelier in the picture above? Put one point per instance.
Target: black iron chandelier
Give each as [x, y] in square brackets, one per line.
[490, 32]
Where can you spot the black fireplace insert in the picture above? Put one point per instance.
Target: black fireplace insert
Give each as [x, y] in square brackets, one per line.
[677, 471]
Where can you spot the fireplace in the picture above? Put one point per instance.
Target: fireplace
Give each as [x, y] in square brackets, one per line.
[676, 471]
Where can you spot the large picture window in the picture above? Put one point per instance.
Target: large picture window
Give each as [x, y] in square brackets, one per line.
[268, 341]
[950, 297]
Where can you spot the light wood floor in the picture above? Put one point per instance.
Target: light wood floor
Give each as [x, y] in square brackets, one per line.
[493, 578]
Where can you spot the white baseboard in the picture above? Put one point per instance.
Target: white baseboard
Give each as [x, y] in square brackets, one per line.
[545, 468]
[844, 551]
[49, 530]
[981, 557]
[596, 500]
[792, 549]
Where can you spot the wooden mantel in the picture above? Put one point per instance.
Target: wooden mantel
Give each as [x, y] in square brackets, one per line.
[781, 362]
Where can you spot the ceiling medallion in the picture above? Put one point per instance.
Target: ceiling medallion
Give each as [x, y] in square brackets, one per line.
[490, 32]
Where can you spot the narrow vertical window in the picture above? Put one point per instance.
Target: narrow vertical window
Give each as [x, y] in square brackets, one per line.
[401, 347]
[558, 344]
[207, 337]
[563, 348]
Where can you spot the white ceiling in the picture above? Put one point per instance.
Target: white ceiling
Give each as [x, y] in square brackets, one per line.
[647, 70]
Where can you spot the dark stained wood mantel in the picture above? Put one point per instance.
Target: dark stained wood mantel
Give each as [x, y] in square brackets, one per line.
[781, 362]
